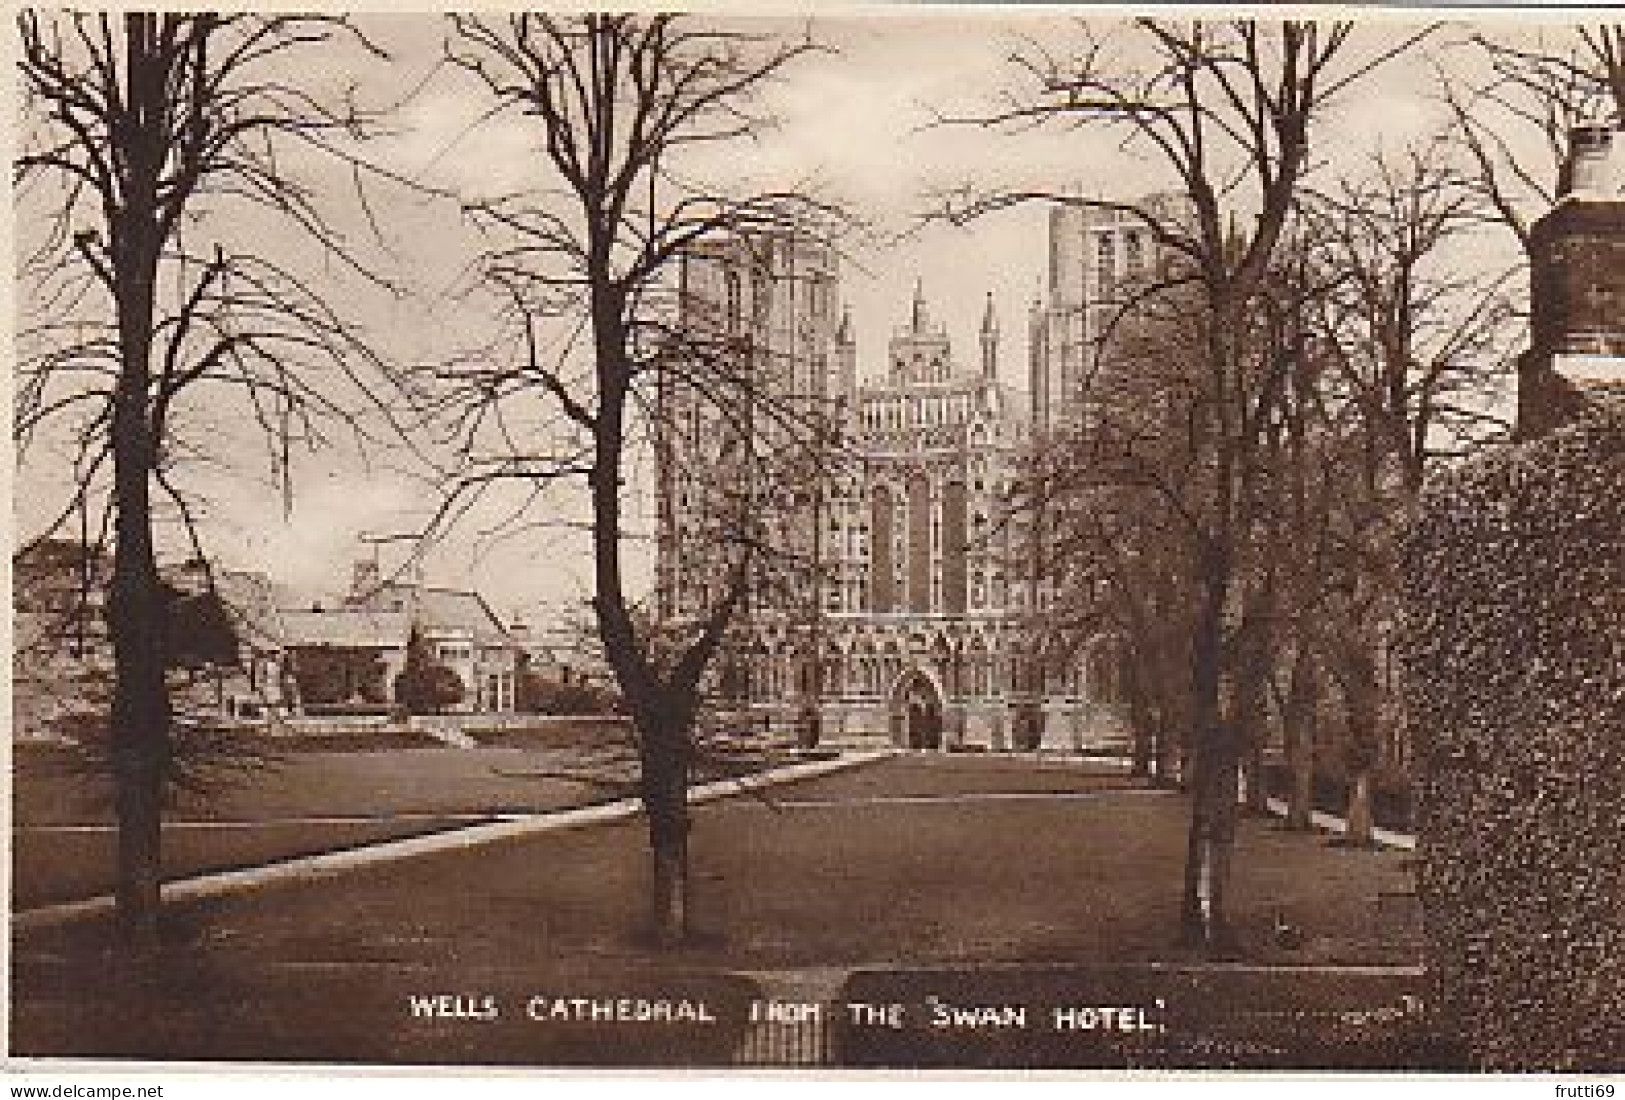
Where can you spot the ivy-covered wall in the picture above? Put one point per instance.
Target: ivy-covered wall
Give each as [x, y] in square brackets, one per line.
[1512, 660]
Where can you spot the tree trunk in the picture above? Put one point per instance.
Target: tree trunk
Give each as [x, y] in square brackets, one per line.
[1249, 726]
[1223, 792]
[1213, 779]
[665, 799]
[1205, 916]
[1141, 722]
[1360, 809]
[1258, 793]
[1360, 754]
[1193, 912]
[662, 733]
[140, 720]
[1256, 653]
[1300, 732]
[1301, 810]
[138, 798]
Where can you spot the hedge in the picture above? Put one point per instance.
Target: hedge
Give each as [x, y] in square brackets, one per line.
[1511, 651]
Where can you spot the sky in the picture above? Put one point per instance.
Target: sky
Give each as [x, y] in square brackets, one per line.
[863, 120]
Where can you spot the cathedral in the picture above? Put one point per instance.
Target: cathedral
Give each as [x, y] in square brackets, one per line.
[1098, 260]
[916, 614]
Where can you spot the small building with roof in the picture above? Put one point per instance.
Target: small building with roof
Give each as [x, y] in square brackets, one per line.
[458, 626]
[254, 684]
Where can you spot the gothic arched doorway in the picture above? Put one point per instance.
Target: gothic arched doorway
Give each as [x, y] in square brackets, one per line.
[916, 707]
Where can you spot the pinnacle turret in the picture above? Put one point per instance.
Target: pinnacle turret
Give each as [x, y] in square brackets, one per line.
[990, 340]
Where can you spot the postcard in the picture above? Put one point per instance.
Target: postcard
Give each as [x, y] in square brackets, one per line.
[868, 539]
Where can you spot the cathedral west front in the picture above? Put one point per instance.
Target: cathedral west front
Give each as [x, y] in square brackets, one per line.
[917, 613]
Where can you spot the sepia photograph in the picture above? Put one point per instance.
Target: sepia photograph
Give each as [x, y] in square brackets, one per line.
[880, 538]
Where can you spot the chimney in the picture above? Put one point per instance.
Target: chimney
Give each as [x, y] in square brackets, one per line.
[1577, 288]
[1594, 169]
[364, 579]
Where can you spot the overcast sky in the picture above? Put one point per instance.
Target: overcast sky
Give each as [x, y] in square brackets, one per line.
[858, 120]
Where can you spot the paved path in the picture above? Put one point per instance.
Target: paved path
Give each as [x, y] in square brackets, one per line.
[1389, 837]
[301, 804]
[454, 835]
[953, 798]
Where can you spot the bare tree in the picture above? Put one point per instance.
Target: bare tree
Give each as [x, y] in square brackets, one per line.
[624, 110]
[137, 306]
[1537, 90]
[1308, 463]
[1419, 336]
[1121, 578]
[1416, 355]
[1110, 493]
[1228, 109]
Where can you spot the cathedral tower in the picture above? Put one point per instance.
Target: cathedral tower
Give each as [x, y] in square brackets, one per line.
[919, 351]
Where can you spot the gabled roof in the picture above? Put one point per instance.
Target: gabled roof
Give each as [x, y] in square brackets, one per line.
[59, 564]
[437, 608]
[55, 551]
[250, 598]
[350, 627]
[450, 607]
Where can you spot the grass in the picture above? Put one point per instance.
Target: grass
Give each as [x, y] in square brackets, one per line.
[60, 866]
[59, 855]
[884, 866]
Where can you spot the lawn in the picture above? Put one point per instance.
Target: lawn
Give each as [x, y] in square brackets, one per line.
[304, 799]
[914, 863]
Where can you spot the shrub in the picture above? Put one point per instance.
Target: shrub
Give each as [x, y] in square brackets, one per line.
[329, 676]
[426, 685]
[1512, 660]
[199, 630]
[537, 694]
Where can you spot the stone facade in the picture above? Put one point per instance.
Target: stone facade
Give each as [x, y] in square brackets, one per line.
[1098, 260]
[914, 617]
[458, 626]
